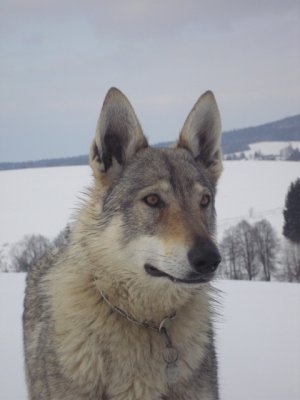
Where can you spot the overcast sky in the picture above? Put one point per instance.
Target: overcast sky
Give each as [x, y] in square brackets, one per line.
[58, 59]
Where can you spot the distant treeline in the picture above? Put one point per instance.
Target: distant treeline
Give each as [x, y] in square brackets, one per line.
[287, 129]
[54, 162]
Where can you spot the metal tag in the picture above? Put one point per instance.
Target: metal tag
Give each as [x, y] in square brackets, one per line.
[172, 372]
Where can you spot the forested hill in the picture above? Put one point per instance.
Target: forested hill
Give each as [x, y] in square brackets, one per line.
[287, 129]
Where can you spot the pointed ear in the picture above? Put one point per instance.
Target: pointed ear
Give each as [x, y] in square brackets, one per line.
[201, 134]
[118, 136]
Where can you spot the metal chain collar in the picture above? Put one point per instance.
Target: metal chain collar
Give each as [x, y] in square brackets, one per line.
[170, 353]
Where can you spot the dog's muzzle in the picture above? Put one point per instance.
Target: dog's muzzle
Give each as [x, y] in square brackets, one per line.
[204, 258]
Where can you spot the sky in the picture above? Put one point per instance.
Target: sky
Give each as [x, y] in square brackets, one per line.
[59, 58]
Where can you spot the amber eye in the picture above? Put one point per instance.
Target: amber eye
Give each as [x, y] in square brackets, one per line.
[205, 200]
[153, 200]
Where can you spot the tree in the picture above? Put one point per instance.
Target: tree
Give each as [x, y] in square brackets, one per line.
[266, 246]
[292, 262]
[230, 267]
[246, 248]
[238, 249]
[286, 152]
[28, 251]
[291, 213]
[294, 156]
[4, 263]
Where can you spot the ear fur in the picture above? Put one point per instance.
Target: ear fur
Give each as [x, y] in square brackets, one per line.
[201, 134]
[118, 136]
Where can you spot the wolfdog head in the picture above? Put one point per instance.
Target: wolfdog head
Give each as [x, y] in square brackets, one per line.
[153, 208]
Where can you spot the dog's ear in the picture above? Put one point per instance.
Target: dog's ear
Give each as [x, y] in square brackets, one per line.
[118, 136]
[201, 134]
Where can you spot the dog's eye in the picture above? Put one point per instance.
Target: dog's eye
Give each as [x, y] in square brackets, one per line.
[153, 200]
[205, 201]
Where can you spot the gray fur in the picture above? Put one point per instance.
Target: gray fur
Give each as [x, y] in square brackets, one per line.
[76, 346]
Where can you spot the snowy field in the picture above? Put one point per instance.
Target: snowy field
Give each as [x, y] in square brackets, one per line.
[41, 201]
[254, 190]
[257, 340]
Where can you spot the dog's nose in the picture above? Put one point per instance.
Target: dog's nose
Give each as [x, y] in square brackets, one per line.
[204, 256]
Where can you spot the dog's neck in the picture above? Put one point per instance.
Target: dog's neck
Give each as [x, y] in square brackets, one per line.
[144, 323]
[151, 306]
[170, 353]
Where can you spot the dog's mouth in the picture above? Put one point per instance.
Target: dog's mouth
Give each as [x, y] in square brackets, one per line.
[193, 276]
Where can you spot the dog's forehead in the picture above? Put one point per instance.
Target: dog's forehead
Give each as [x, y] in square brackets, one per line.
[175, 166]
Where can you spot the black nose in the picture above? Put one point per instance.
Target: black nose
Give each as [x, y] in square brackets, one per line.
[204, 256]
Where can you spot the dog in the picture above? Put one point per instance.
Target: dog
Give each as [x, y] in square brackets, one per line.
[125, 310]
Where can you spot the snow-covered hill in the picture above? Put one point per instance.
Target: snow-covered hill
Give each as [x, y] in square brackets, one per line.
[269, 148]
[257, 340]
[39, 200]
[254, 190]
[287, 129]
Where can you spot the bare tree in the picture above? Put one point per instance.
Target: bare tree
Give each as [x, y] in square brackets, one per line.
[292, 261]
[27, 252]
[266, 246]
[246, 248]
[255, 252]
[4, 267]
[230, 267]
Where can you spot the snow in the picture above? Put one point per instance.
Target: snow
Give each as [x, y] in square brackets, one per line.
[257, 340]
[12, 380]
[254, 190]
[39, 200]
